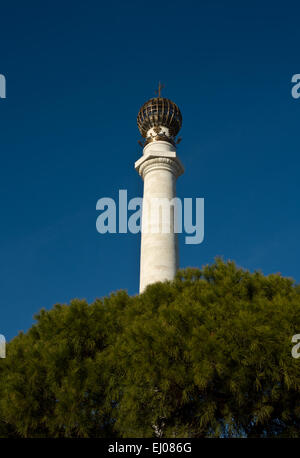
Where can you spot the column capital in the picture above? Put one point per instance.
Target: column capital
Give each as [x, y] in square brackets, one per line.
[167, 161]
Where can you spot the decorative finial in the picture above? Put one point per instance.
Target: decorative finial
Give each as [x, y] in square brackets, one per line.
[159, 119]
[160, 87]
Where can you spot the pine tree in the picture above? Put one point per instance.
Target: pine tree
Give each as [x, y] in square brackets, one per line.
[207, 355]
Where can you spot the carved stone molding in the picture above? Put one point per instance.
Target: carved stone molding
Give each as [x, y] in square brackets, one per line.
[162, 163]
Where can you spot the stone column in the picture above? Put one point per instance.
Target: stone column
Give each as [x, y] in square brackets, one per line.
[159, 167]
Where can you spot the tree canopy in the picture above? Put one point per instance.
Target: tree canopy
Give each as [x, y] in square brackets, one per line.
[206, 355]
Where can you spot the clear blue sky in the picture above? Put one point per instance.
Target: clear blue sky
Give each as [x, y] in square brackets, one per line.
[77, 74]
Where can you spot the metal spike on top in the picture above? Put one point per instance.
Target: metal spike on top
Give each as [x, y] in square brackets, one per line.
[158, 91]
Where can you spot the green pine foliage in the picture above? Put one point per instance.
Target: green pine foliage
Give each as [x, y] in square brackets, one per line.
[207, 355]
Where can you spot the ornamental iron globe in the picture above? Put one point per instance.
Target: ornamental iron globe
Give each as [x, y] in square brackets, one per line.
[159, 119]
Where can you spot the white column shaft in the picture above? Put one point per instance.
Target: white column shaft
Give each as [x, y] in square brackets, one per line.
[159, 168]
[159, 251]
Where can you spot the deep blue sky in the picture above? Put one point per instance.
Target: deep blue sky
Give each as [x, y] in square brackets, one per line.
[77, 74]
